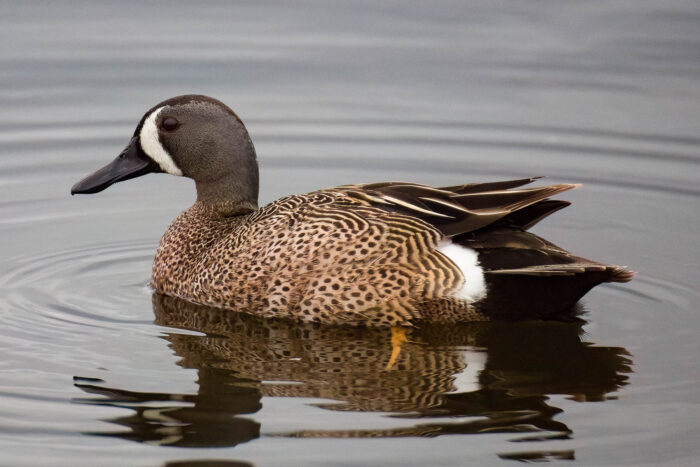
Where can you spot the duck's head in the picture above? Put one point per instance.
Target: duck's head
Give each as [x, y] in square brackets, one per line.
[192, 136]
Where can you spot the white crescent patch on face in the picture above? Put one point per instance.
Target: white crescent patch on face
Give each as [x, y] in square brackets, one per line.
[150, 143]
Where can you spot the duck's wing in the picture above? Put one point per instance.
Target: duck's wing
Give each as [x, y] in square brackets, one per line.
[490, 186]
[462, 209]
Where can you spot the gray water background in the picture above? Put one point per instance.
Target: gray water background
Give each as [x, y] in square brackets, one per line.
[604, 93]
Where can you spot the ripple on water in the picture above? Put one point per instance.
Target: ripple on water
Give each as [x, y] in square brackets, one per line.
[84, 287]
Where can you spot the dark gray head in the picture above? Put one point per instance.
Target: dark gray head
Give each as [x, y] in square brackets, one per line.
[193, 136]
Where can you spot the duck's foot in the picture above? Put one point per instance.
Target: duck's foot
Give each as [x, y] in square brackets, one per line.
[398, 338]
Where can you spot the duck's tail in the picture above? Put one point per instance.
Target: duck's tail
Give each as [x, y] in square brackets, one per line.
[545, 291]
[528, 277]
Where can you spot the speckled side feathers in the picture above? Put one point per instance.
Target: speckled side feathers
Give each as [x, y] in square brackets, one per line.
[359, 254]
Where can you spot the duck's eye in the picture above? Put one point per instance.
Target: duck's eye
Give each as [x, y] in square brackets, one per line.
[169, 124]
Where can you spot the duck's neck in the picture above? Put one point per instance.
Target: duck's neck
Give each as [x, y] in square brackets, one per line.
[232, 189]
[225, 197]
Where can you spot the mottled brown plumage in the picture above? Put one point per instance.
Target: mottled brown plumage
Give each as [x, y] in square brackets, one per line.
[326, 256]
[352, 254]
[358, 254]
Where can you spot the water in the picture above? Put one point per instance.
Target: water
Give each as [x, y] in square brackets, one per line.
[95, 371]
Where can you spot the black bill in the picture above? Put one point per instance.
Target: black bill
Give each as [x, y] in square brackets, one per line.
[131, 163]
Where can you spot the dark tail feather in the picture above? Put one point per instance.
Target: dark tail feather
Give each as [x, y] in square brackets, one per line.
[532, 296]
[526, 218]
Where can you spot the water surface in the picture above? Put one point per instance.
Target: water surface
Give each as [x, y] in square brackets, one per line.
[97, 371]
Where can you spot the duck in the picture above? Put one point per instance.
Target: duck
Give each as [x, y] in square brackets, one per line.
[372, 254]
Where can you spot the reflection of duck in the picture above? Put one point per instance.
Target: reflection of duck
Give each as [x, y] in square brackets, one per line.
[379, 254]
[241, 358]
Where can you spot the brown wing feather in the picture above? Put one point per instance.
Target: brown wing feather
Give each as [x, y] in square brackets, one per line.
[527, 217]
[460, 209]
[489, 186]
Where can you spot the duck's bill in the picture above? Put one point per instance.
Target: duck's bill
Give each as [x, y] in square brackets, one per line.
[131, 163]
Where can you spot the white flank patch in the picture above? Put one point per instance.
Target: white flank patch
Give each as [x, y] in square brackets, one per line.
[467, 260]
[150, 143]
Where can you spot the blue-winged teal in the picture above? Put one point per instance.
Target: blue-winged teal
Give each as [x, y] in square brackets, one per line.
[374, 254]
